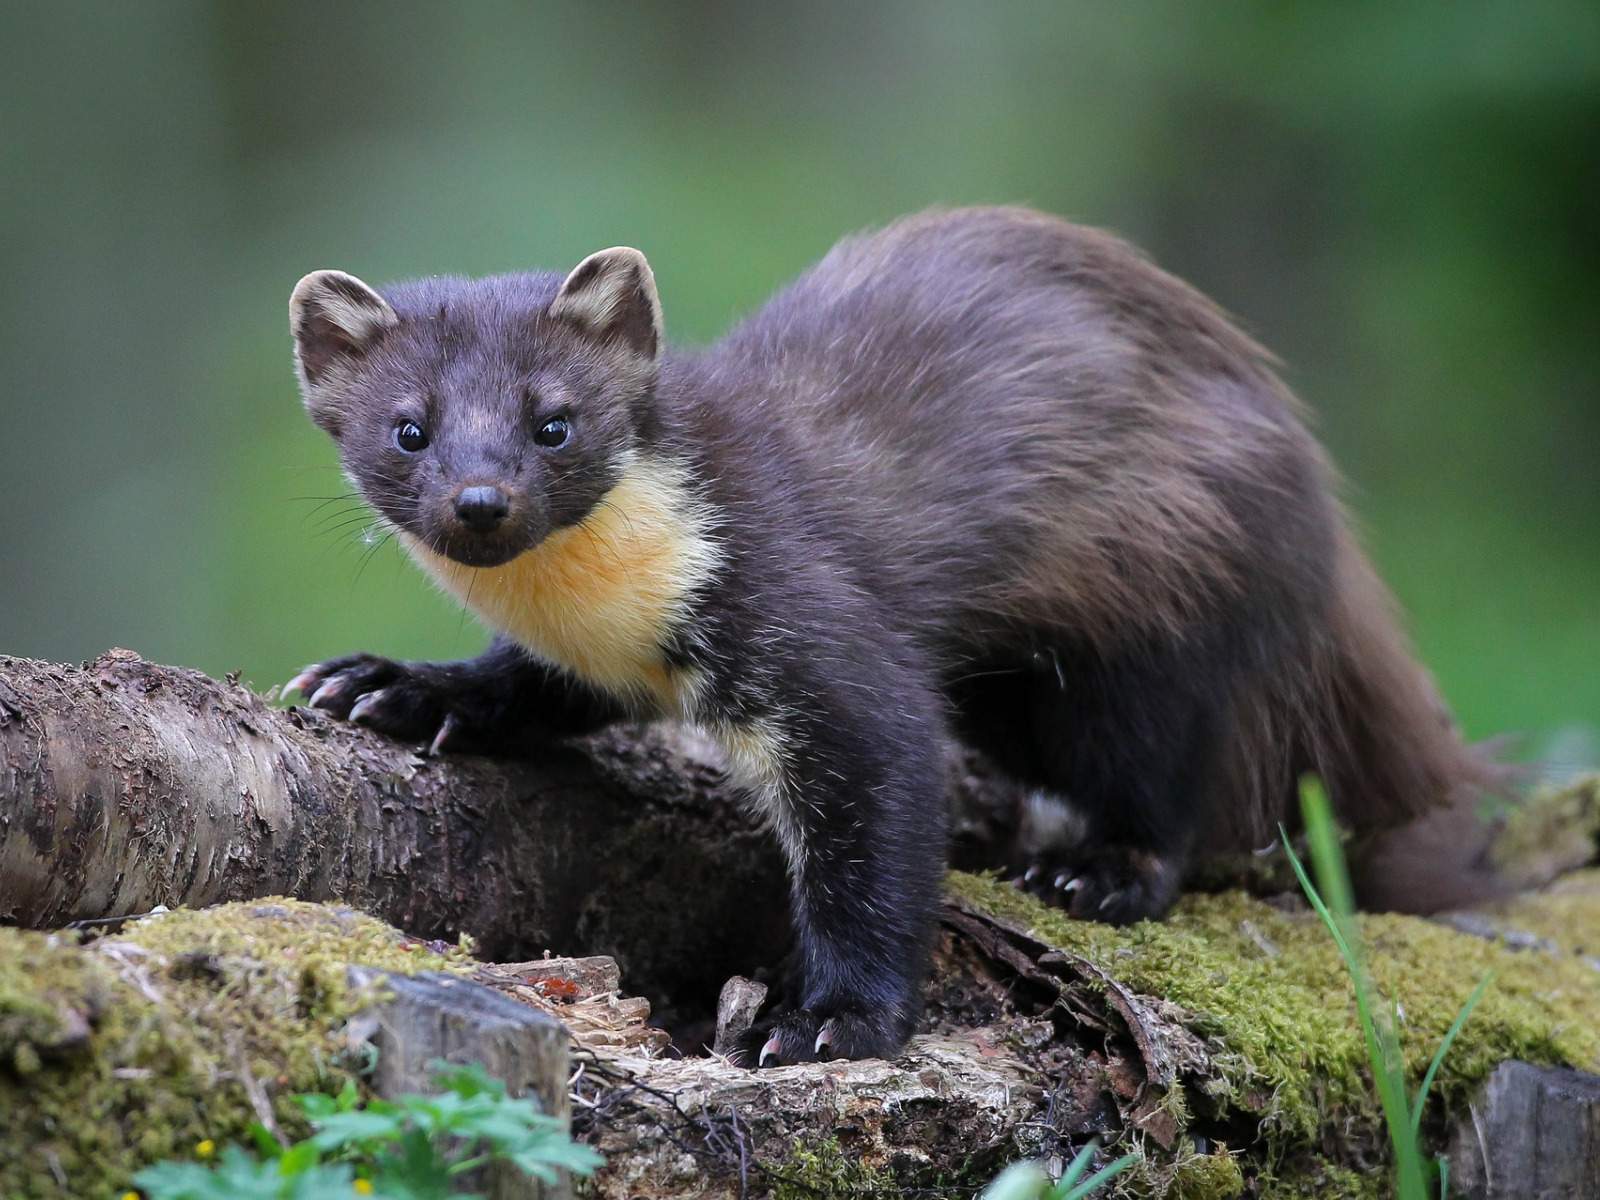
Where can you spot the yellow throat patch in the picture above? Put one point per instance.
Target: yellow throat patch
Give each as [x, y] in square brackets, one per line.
[599, 598]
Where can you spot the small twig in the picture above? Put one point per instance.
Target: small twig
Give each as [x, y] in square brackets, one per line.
[738, 1138]
[257, 1095]
[106, 923]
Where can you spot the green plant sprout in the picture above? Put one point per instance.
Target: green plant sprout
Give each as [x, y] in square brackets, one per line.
[411, 1148]
[1027, 1181]
[1403, 1117]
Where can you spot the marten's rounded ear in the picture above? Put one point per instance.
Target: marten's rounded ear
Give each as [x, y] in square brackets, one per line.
[611, 296]
[335, 316]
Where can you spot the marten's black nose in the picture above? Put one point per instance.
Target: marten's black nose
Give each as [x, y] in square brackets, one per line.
[482, 509]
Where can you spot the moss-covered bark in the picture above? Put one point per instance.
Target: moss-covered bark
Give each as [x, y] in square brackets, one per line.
[125, 785]
[1222, 1040]
[1221, 1043]
[1285, 1079]
[174, 1035]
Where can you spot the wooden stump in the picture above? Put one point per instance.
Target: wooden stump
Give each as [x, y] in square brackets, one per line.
[1533, 1134]
[432, 1016]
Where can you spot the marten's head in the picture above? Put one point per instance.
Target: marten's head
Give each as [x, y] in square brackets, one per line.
[480, 416]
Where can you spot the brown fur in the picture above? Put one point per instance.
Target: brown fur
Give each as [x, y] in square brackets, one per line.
[1184, 484]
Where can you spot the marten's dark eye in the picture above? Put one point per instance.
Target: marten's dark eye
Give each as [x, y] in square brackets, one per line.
[410, 437]
[553, 433]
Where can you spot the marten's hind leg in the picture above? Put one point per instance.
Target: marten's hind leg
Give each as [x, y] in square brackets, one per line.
[1130, 741]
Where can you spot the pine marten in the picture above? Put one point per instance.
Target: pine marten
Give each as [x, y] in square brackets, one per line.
[983, 472]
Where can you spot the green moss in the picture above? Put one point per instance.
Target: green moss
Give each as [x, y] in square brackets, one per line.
[1566, 914]
[1282, 1028]
[1552, 830]
[825, 1172]
[1317, 1179]
[1213, 1176]
[135, 1048]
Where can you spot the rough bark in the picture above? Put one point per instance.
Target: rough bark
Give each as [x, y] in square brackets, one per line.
[125, 785]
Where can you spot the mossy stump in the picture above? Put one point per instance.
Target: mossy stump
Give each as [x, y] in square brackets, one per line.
[171, 1037]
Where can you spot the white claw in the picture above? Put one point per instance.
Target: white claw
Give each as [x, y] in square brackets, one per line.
[1111, 898]
[1073, 884]
[301, 681]
[324, 692]
[446, 728]
[1031, 874]
[773, 1045]
[824, 1038]
[363, 706]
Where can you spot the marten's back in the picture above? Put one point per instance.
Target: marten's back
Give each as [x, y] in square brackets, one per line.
[1032, 438]
[1038, 427]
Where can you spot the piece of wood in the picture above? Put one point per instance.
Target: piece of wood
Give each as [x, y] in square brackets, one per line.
[1532, 1134]
[741, 998]
[432, 1016]
[125, 785]
[555, 975]
[698, 1128]
[584, 995]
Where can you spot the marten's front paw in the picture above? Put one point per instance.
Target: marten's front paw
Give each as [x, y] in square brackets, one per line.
[381, 694]
[1114, 884]
[806, 1036]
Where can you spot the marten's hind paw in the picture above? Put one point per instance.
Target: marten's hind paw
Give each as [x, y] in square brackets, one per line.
[381, 694]
[1114, 884]
[805, 1036]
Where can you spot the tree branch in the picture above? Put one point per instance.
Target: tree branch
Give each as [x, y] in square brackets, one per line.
[125, 785]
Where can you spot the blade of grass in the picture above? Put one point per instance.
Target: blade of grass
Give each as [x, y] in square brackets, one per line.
[1099, 1179]
[1383, 1049]
[1079, 1164]
[1444, 1047]
[1019, 1181]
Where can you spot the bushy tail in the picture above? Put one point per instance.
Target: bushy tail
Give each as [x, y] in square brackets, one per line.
[1393, 761]
[1356, 708]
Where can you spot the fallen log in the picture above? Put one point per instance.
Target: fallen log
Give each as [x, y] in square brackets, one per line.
[125, 785]
[1216, 1041]
[1219, 1044]
[1534, 1131]
[418, 1020]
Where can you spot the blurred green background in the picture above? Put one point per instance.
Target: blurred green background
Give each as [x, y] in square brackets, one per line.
[1401, 199]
